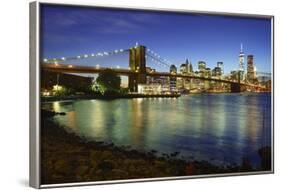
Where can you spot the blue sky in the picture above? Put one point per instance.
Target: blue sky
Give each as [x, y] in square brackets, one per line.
[71, 31]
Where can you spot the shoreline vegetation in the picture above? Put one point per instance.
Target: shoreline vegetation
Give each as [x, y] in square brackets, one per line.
[67, 157]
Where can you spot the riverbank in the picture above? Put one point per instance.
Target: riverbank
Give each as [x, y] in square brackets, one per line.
[67, 157]
[108, 97]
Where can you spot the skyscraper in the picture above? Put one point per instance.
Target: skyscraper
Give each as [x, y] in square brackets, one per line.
[186, 68]
[220, 65]
[201, 66]
[241, 62]
[251, 75]
[183, 69]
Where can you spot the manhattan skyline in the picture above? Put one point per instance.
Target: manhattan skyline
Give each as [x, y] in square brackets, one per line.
[71, 31]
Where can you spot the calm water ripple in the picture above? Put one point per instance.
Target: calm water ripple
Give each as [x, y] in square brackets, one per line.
[220, 128]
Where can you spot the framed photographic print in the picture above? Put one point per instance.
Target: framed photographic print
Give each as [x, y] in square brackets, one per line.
[124, 94]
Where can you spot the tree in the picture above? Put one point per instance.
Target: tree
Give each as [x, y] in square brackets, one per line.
[108, 81]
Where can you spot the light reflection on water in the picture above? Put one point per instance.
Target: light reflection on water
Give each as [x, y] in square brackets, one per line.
[213, 127]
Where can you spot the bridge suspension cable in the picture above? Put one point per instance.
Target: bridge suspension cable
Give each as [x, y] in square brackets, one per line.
[157, 58]
[85, 56]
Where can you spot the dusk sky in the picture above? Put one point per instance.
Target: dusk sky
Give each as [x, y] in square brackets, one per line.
[71, 31]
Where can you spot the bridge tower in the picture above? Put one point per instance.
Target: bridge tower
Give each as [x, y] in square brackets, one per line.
[137, 63]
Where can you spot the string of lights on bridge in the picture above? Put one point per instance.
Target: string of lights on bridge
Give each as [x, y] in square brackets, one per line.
[150, 54]
[85, 56]
[157, 58]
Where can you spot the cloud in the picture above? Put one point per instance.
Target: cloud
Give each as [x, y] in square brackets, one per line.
[98, 20]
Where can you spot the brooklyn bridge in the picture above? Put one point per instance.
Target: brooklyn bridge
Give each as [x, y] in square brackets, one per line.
[137, 68]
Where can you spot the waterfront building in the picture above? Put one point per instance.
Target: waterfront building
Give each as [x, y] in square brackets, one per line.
[186, 68]
[149, 89]
[189, 68]
[251, 71]
[234, 75]
[220, 65]
[201, 66]
[208, 72]
[150, 79]
[173, 69]
[217, 72]
[183, 69]
[173, 80]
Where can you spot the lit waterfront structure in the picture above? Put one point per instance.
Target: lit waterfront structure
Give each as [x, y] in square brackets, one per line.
[189, 68]
[149, 89]
[208, 72]
[220, 65]
[251, 71]
[201, 66]
[173, 80]
[241, 63]
[186, 68]
[183, 69]
[149, 79]
[234, 75]
[217, 72]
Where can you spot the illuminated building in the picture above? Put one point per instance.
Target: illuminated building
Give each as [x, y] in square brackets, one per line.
[173, 80]
[241, 63]
[251, 71]
[150, 79]
[220, 65]
[149, 89]
[183, 69]
[189, 68]
[186, 68]
[201, 66]
[217, 72]
[208, 72]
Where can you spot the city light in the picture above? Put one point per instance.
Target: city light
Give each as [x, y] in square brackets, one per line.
[57, 88]
[203, 72]
[46, 93]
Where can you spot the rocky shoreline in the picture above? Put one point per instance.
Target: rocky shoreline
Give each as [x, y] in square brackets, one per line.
[67, 158]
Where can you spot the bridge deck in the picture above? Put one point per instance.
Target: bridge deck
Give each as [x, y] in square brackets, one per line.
[64, 68]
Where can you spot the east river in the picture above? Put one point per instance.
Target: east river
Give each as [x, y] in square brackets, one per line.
[219, 128]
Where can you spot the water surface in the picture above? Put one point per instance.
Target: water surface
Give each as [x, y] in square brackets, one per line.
[220, 128]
